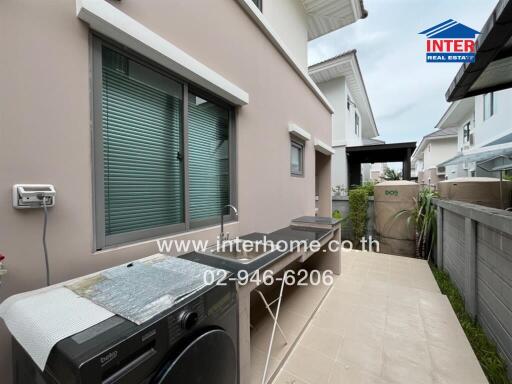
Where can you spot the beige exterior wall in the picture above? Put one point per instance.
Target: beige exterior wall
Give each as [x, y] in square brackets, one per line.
[289, 20]
[45, 130]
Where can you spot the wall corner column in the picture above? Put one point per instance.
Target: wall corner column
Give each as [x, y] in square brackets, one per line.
[470, 297]
[439, 250]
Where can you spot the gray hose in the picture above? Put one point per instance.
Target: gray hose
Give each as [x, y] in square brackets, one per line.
[44, 242]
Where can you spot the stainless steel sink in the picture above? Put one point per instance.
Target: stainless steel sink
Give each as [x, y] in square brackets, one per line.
[239, 250]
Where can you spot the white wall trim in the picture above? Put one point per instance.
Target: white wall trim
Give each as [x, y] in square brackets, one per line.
[115, 24]
[320, 146]
[254, 13]
[339, 143]
[297, 131]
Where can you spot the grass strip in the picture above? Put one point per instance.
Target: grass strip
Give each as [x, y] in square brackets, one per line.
[493, 365]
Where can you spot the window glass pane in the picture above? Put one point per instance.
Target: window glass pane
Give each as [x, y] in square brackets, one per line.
[489, 105]
[259, 4]
[142, 146]
[296, 159]
[208, 145]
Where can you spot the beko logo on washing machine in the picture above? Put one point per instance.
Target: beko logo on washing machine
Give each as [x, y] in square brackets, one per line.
[108, 357]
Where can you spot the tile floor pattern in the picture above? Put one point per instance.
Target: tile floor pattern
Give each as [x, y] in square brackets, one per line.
[383, 322]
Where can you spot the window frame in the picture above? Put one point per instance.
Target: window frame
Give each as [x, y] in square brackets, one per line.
[258, 4]
[466, 132]
[101, 240]
[492, 105]
[301, 146]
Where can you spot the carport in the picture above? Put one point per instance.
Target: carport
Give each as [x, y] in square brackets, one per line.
[381, 153]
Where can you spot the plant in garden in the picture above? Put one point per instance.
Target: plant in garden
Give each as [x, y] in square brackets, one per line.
[425, 217]
[369, 187]
[391, 174]
[358, 207]
[336, 214]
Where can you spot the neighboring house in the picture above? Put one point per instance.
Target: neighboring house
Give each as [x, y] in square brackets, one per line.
[460, 115]
[341, 80]
[147, 127]
[433, 149]
[377, 171]
[481, 121]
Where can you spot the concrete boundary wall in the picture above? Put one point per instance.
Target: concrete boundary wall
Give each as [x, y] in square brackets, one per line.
[474, 245]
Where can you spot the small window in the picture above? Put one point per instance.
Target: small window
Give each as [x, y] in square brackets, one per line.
[297, 158]
[466, 132]
[356, 123]
[259, 4]
[489, 105]
[348, 103]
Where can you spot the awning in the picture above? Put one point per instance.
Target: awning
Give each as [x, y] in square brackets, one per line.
[492, 158]
[492, 69]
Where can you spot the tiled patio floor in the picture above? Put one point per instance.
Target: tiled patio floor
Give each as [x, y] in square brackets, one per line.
[383, 322]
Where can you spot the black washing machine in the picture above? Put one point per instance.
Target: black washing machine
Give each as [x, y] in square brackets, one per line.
[195, 342]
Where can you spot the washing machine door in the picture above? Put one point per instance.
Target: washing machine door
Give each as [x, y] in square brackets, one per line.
[209, 359]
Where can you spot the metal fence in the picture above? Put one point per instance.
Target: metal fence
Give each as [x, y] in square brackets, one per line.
[474, 245]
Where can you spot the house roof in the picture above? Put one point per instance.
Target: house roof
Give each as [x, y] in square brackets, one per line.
[492, 69]
[346, 65]
[324, 16]
[456, 113]
[446, 133]
[450, 29]
[443, 133]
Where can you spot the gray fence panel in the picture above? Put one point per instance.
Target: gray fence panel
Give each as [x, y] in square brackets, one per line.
[453, 250]
[492, 277]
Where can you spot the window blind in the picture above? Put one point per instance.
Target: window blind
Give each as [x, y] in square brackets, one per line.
[142, 146]
[208, 156]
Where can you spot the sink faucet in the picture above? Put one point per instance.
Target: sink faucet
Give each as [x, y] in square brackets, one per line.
[222, 236]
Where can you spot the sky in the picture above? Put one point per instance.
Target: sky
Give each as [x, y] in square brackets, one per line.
[406, 94]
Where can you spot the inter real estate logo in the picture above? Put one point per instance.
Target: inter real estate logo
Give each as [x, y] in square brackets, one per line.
[450, 42]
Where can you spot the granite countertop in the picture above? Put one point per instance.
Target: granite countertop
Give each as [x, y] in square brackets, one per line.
[316, 220]
[286, 234]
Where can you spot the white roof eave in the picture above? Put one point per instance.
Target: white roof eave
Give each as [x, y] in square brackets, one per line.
[117, 25]
[334, 69]
[325, 16]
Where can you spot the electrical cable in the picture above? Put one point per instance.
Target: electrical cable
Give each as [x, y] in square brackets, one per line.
[47, 264]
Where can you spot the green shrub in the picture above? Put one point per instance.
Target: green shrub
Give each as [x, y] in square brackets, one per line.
[358, 207]
[336, 214]
[425, 216]
[391, 174]
[368, 186]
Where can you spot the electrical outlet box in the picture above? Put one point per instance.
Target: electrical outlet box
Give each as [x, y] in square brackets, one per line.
[26, 196]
